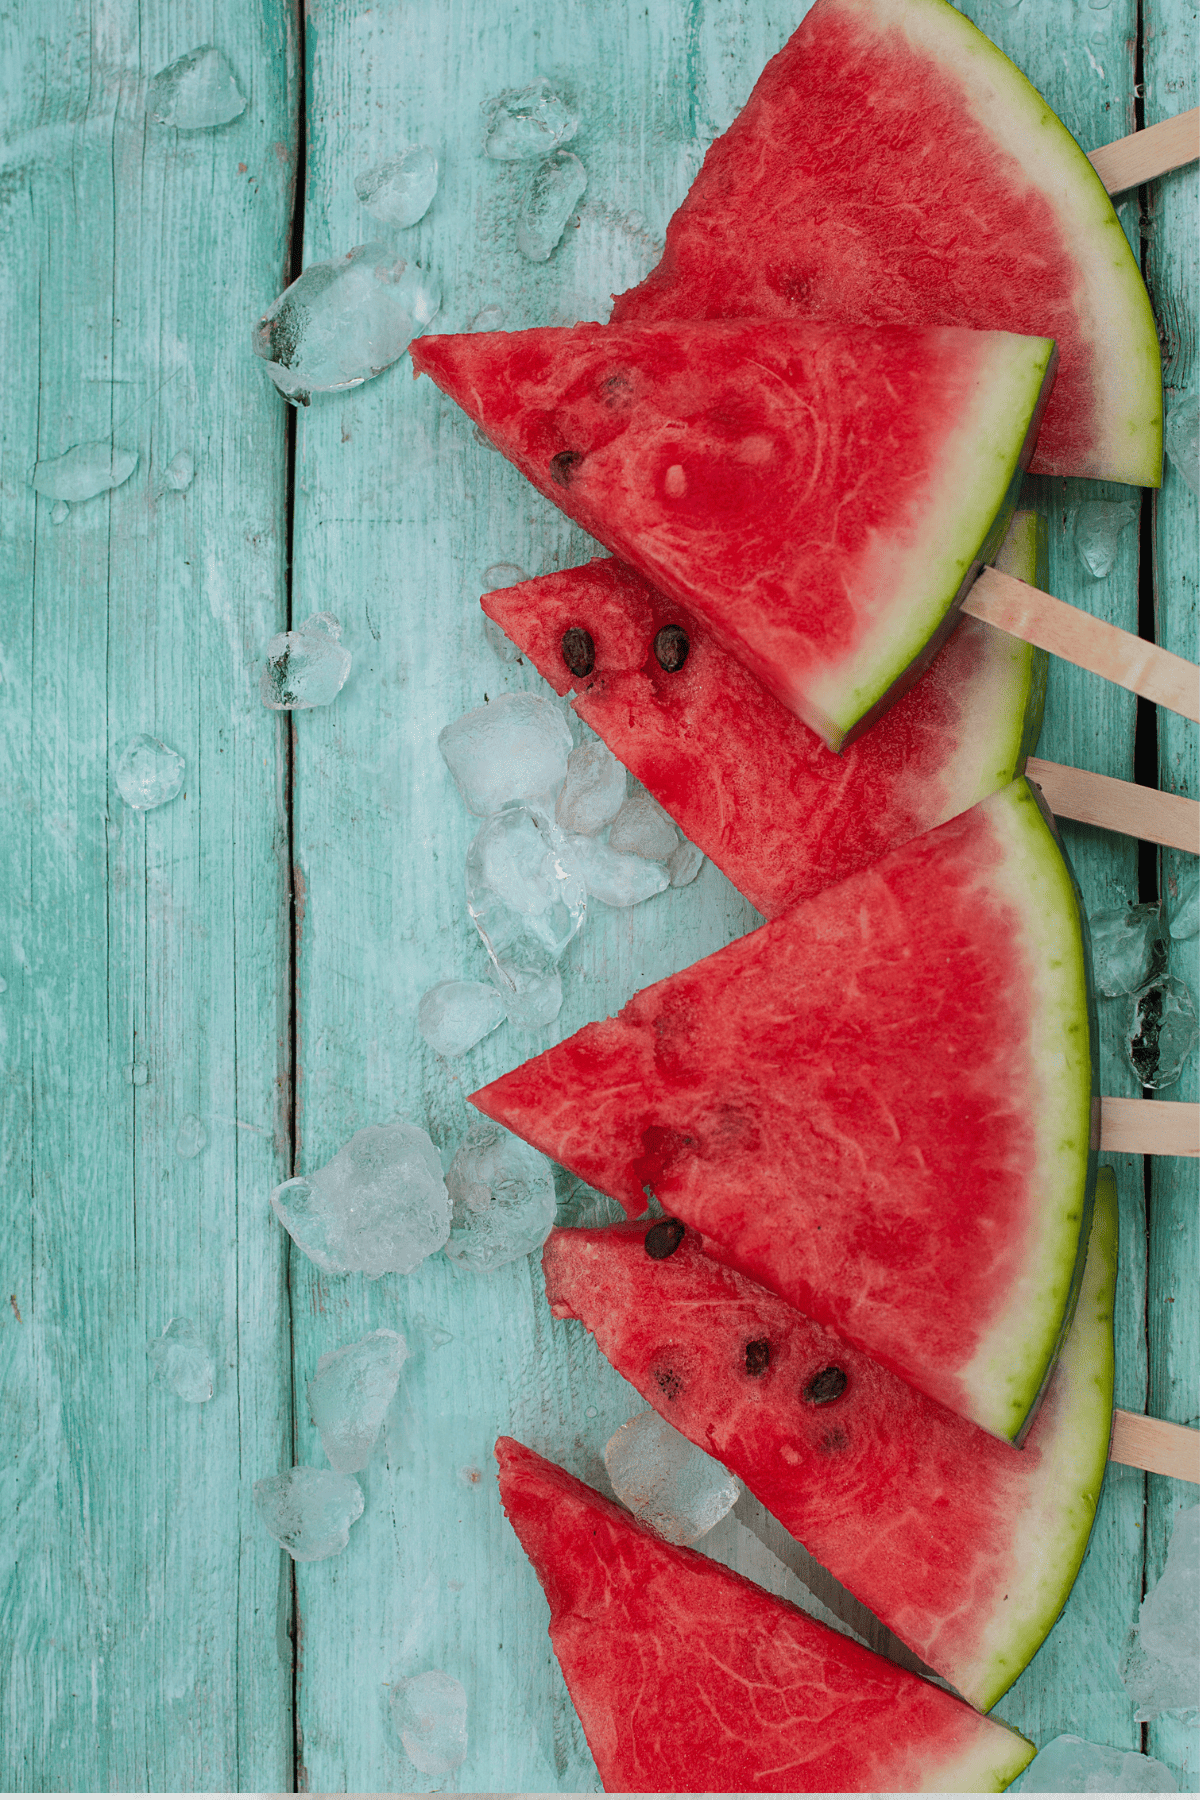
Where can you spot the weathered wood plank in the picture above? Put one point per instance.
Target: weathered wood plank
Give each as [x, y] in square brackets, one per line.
[138, 1602]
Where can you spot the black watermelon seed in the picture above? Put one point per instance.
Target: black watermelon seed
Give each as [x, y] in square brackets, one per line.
[670, 1383]
[825, 1386]
[663, 1239]
[671, 648]
[578, 650]
[758, 1356]
[564, 465]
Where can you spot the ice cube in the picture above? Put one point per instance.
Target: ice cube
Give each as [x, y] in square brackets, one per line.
[488, 318]
[1162, 1032]
[400, 191]
[555, 191]
[1161, 1662]
[84, 471]
[191, 1137]
[1184, 908]
[532, 997]
[502, 1194]
[180, 471]
[379, 1207]
[1123, 941]
[523, 893]
[455, 1015]
[349, 1394]
[615, 879]
[528, 122]
[149, 773]
[345, 320]
[196, 92]
[1098, 527]
[1181, 439]
[502, 575]
[60, 512]
[642, 828]
[674, 1488]
[430, 1713]
[594, 790]
[305, 668]
[182, 1361]
[309, 1511]
[684, 863]
[516, 748]
[1068, 1765]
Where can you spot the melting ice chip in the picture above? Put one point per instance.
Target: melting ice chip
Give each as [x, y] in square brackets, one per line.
[594, 791]
[1067, 1765]
[502, 1194]
[345, 320]
[676, 1489]
[309, 1511]
[1181, 439]
[149, 773]
[182, 1361]
[1123, 941]
[1098, 527]
[380, 1207]
[1162, 1032]
[1185, 908]
[349, 1394]
[523, 893]
[1161, 1663]
[179, 471]
[400, 191]
[430, 1712]
[490, 318]
[514, 749]
[532, 997]
[527, 122]
[642, 828]
[195, 93]
[84, 471]
[615, 879]
[191, 1137]
[455, 1015]
[305, 668]
[684, 864]
[555, 191]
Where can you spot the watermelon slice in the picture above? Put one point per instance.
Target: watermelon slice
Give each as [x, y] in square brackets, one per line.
[689, 1679]
[743, 778]
[879, 1106]
[893, 167]
[821, 497]
[963, 1546]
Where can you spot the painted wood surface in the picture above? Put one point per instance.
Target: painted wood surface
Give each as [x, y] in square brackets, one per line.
[153, 1636]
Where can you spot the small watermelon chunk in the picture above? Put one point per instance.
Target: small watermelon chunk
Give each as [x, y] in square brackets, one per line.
[688, 1678]
[963, 1546]
[746, 780]
[879, 1106]
[823, 498]
[893, 167]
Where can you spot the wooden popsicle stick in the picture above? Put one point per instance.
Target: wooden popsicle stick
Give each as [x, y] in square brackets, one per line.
[1089, 643]
[1144, 154]
[1155, 1444]
[1149, 1127]
[1139, 812]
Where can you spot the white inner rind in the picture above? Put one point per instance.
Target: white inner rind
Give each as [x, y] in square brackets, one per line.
[1113, 306]
[1004, 1376]
[903, 591]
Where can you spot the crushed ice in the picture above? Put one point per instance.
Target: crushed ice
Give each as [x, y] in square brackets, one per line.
[379, 1207]
[196, 93]
[455, 1015]
[1162, 1031]
[430, 1713]
[307, 667]
[1181, 439]
[555, 190]
[148, 773]
[309, 1511]
[1098, 528]
[1068, 1765]
[1160, 1666]
[349, 1394]
[83, 472]
[528, 122]
[182, 1361]
[1124, 942]
[400, 191]
[514, 749]
[666, 1481]
[502, 1194]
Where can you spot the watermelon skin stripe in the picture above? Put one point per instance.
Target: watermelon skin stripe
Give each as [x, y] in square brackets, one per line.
[688, 1678]
[963, 1546]
[896, 129]
[879, 1105]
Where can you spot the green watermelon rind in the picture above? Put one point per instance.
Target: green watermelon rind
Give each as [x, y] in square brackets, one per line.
[1013, 1363]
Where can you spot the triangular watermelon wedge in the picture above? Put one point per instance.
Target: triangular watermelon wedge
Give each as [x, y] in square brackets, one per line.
[746, 780]
[822, 497]
[893, 167]
[966, 1548]
[879, 1105]
[688, 1678]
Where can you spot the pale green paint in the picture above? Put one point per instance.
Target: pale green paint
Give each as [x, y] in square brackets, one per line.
[143, 1613]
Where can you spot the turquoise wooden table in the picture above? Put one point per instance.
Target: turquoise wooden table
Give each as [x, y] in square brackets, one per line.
[253, 952]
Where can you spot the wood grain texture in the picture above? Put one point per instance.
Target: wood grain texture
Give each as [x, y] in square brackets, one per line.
[1140, 812]
[138, 1603]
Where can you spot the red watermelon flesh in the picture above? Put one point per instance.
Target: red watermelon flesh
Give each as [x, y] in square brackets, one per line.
[821, 497]
[893, 167]
[689, 1679]
[965, 1547]
[879, 1106]
[746, 780]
